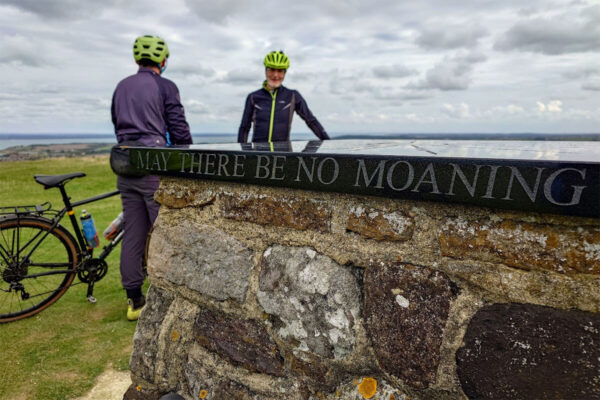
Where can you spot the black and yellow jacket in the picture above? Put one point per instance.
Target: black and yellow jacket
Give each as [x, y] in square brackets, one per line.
[271, 114]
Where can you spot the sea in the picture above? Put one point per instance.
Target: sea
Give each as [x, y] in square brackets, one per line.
[24, 139]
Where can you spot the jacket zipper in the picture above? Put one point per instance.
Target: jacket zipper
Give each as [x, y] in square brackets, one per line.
[273, 96]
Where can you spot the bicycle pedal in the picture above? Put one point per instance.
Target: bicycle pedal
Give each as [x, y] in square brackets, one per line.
[91, 299]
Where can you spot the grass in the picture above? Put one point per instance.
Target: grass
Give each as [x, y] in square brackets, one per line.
[58, 353]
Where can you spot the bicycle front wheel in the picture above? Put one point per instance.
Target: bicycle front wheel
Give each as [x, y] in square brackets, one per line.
[37, 266]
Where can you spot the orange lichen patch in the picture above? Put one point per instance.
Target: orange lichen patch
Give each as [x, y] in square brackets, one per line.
[138, 388]
[392, 397]
[367, 387]
[355, 382]
[203, 394]
[175, 336]
[399, 259]
[380, 225]
[525, 246]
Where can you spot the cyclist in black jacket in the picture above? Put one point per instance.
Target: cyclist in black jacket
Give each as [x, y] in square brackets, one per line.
[271, 108]
[144, 107]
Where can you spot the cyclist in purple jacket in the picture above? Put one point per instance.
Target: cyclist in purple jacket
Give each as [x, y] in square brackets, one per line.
[272, 107]
[145, 108]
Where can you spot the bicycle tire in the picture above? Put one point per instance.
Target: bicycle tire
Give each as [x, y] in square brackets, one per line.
[44, 277]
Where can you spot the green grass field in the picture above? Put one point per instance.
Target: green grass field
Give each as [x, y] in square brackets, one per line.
[58, 353]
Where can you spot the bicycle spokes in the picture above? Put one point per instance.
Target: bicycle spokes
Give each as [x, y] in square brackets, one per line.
[37, 264]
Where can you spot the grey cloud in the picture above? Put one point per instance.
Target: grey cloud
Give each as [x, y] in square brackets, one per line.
[19, 50]
[302, 76]
[89, 102]
[589, 75]
[581, 72]
[59, 8]
[592, 83]
[393, 71]
[387, 37]
[190, 71]
[388, 94]
[196, 107]
[50, 89]
[450, 36]
[452, 73]
[215, 11]
[241, 76]
[558, 35]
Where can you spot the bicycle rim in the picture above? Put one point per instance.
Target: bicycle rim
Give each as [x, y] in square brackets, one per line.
[32, 281]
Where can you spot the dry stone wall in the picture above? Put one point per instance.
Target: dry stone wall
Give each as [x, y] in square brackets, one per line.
[267, 293]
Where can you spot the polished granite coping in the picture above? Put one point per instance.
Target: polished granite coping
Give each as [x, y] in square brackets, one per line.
[540, 176]
[588, 151]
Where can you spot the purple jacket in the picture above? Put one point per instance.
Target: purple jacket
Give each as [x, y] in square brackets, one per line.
[145, 106]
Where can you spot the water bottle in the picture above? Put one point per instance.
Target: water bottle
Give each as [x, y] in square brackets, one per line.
[89, 229]
[114, 228]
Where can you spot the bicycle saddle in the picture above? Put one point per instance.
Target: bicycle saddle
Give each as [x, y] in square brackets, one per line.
[50, 181]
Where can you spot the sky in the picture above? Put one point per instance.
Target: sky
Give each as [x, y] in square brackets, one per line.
[379, 66]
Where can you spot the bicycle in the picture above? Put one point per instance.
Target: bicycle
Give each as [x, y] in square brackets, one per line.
[39, 257]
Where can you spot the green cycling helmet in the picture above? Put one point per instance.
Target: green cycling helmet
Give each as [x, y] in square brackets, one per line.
[150, 47]
[277, 60]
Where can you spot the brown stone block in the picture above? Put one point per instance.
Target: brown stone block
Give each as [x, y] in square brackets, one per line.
[523, 245]
[525, 351]
[243, 342]
[380, 225]
[316, 372]
[406, 308]
[180, 196]
[276, 211]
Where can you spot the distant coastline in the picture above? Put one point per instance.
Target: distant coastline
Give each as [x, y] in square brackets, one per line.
[30, 146]
[229, 137]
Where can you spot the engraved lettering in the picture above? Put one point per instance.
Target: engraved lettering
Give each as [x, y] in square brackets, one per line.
[223, 161]
[143, 164]
[237, 165]
[531, 192]
[428, 171]
[469, 186]
[302, 165]
[183, 157]
[334, 175]
[491, 181]
[155, 163]
[165, 158]
[209, 164]
[197, 163]
[577, 190]
[368, 179]
[277, 167]
[409, 177]
[260, 167]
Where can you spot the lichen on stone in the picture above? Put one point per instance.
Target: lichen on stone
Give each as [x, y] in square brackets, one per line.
[367, 387]
[316, 299]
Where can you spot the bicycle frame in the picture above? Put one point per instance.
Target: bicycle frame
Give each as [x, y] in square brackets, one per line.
[83, 250]
[20, 251]
[69, 210]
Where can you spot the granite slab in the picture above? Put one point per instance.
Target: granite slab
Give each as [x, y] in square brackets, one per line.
[561, 177]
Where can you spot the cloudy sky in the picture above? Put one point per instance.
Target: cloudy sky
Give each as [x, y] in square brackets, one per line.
[363, 66]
